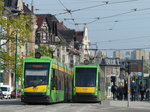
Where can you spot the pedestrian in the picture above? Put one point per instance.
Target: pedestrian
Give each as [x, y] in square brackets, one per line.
[120, 91]
[114, 90]
[133, 90]
[142, 90]
[125, 90]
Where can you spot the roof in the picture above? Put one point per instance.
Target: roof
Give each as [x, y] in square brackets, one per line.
[61, 26]
[40, 19]
[48, 17]
[26, 9]
[79, 36]
[68, 34]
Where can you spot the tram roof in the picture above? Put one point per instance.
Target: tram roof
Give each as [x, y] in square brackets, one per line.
[47, 59]
[87, 65]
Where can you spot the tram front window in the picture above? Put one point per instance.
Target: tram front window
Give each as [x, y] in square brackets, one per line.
[36, 74]
[86, 77]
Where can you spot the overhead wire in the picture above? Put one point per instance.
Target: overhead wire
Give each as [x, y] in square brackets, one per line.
[111, 16]
[113, 49]
[69, 11]
[94, 6]
[139, 37]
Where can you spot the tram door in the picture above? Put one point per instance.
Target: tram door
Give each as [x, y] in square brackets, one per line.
[54, 85]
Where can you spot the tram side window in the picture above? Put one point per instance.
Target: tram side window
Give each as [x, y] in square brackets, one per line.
[58, 80]
[99, 81]
[62, 80]
[70, 83]
[54, 79]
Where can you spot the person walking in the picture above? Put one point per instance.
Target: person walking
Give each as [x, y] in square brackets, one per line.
[142, 90]
[125, 91]
[133, 90]
[120, 92]
[114, 90]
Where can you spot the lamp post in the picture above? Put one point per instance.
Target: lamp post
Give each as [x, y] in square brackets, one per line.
[129, 91]
[16, 66]
[26, 48]
[0, 55]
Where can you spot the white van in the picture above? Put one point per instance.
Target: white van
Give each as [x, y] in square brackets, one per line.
[6, 90]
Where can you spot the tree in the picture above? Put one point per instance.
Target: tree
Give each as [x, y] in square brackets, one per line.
[13, 24]
[45, 51]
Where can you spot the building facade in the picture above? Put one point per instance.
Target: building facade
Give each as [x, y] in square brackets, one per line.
[111, 67]
[118, 54]
[138, 54]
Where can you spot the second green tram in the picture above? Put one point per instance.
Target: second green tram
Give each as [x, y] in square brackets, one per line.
[88, 84]
[45, 80]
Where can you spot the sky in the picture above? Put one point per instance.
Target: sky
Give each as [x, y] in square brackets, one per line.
[112, 24]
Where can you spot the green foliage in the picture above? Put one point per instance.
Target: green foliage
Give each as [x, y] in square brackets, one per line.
[45, 51]
[12, 25]
[9, 62]
[15, 24]
[1, 6]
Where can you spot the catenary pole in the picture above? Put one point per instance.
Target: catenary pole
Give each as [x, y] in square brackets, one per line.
[16, 66]
[129, 89]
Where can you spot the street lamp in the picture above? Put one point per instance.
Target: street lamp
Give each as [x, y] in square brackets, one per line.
[127, 69]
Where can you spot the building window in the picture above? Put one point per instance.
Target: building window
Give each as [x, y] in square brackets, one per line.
[63, 60]
[58, 55]
[37, 41]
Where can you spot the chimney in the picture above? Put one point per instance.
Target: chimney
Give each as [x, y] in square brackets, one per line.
[32, 9]
[62, 23]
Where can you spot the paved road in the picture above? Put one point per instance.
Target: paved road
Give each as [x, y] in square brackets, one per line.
[107, 106]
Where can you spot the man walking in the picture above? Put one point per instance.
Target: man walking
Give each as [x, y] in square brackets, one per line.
[114, 90]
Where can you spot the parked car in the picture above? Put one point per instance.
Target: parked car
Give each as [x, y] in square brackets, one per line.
[6, 90]
[13, 94]
[1, 94]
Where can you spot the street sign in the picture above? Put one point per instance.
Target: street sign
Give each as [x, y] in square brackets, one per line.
[139, 75]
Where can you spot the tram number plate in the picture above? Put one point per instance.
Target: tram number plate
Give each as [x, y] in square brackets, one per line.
[85, 90]
[35, 89]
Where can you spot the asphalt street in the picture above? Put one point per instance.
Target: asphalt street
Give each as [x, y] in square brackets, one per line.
[106, 106]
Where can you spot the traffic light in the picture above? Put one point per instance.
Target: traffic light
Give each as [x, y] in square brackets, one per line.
[113, 78]
[128, 68]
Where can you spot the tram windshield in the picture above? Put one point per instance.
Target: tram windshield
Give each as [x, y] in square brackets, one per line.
[36, 74]
[86, 77]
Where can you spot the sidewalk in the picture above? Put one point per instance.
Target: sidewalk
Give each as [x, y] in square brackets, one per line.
[132, 104]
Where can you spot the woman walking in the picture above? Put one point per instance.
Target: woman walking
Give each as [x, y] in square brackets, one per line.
[142, 90]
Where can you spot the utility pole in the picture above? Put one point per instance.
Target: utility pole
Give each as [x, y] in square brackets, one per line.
[129, 91]
[16, 66]
[26, 48]
[142, 68]
[128, 104]
[0, 54]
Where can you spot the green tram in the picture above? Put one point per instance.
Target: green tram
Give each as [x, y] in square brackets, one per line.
[88, 84]
[45, 80]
